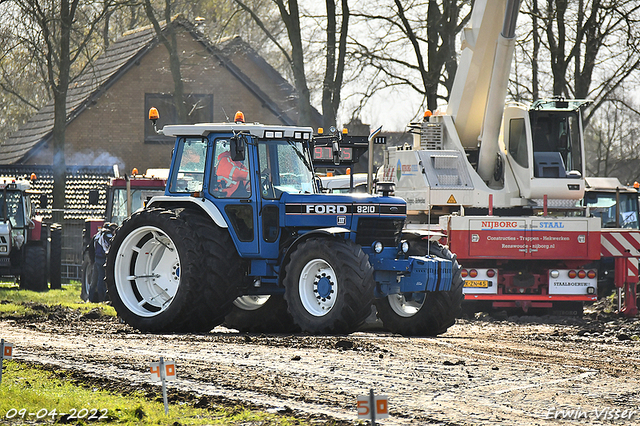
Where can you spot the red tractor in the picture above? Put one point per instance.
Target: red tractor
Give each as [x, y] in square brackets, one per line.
[124, 195]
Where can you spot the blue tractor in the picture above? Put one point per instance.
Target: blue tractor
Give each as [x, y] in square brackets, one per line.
[243, 234]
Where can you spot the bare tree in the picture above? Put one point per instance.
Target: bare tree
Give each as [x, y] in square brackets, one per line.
[293, 50]
[430, 29]
[169, 39]
[334, 69]
[593, 47]
[22, 88]
[613, 140]
[66, 29]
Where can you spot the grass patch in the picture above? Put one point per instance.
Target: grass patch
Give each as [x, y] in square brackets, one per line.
[37, 390]
[23, 303]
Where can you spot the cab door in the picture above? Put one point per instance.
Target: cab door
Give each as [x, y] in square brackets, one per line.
[267, 173]
[234, 191]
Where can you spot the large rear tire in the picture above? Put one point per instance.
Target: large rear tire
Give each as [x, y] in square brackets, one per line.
[428, 314]
[224, 268]
[158, 274]
[329, 286]
[34, 272]
[260, 314]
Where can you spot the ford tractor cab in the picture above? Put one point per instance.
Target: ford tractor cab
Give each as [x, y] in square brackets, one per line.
[243, 235]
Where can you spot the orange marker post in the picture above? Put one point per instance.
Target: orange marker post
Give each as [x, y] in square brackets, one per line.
[6, 352]
[372, 407]
[162, 372]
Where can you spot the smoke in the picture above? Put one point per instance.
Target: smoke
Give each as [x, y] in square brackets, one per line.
[92, 158]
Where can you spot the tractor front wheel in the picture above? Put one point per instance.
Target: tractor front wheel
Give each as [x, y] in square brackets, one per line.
[424, 314]
[329, 286]
[260, 314]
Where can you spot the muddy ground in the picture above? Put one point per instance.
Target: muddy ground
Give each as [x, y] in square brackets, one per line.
[484, 370]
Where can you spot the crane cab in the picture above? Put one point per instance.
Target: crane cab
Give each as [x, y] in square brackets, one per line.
[545, 150]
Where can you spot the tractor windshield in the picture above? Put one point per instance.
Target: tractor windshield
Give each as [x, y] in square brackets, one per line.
[119, 206]
[285, 166]
[603, 205]
[14, 207]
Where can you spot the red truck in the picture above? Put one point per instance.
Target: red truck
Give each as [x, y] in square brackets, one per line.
[124, 195]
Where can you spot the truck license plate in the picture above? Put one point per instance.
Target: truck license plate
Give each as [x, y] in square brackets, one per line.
[476, 283]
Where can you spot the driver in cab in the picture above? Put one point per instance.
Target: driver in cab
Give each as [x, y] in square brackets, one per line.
[233, 176]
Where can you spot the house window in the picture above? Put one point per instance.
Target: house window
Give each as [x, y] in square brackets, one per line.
[199, 110]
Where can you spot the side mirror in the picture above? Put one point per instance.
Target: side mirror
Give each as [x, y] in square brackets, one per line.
[386, 188]
[336, 153]
[237, 147]
[93, 197]
[43, 201]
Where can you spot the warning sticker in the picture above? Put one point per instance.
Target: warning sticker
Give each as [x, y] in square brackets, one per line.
[452, 200]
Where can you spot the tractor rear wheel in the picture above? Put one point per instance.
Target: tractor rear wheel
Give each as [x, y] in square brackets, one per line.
[86, 277]
[157, 274]
[329, 286]
[223, 273]
[34, 273]
[260, 314]
[426, 314]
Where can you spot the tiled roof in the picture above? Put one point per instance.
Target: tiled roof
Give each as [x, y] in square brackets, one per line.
[91, 83]
[113, 63]
[80, 180]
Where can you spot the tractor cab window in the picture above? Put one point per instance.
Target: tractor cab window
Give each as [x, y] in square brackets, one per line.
[119, 208]
[229, 179]
[603, 205]
[190, 163]
[557, 146]
[285, 166]
[14, 207]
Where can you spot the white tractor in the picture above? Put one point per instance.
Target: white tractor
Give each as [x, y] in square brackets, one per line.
[26, 249]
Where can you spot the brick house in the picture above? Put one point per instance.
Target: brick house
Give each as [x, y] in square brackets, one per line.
[108, 124]
[109, 103]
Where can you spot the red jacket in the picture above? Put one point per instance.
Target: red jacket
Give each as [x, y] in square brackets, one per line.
[231, 173]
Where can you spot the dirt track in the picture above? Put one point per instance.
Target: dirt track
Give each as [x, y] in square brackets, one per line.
[516, 371]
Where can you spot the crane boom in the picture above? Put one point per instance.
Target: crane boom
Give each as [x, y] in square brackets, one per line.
[477, 96]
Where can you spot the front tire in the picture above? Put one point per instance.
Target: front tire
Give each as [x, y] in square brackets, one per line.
[329, 286]
[260, 314]
[87, 277]
[157, 275]
[426, 314]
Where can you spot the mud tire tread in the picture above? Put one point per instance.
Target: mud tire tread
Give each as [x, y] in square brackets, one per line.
[223, 271]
